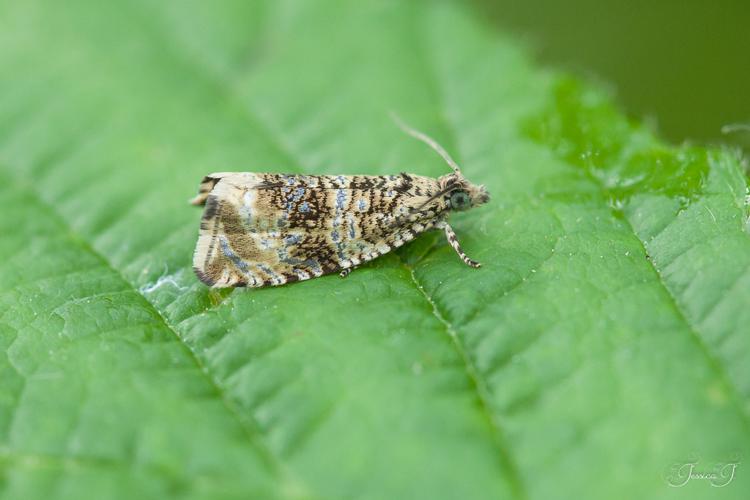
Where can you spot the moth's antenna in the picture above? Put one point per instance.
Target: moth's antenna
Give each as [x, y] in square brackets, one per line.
[427, 140]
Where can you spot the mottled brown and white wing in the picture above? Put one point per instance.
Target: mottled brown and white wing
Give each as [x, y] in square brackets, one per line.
[270, 229]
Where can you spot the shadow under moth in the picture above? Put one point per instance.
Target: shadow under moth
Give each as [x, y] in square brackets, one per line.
[270, 229]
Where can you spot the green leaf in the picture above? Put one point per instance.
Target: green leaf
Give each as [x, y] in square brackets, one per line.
[603, 342]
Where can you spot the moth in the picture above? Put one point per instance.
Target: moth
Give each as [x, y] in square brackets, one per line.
[266, 229]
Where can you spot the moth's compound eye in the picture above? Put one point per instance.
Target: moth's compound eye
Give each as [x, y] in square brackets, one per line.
[460, 200]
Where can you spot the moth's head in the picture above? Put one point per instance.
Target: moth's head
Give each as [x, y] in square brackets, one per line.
[460, 194]
[456, 193]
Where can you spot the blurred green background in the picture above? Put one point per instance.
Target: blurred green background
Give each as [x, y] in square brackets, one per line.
[683, 65]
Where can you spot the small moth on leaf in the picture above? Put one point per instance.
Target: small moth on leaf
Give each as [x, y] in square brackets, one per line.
[269, 229]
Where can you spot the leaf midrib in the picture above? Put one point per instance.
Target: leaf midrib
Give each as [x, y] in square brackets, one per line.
[479, 386]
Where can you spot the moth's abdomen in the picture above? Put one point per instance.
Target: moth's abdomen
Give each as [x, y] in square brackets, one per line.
[271, 229]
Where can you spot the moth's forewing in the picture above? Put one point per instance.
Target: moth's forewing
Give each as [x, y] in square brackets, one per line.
[271, 229]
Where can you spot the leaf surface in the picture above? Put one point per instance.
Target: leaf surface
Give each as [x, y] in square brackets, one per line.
[603, 341]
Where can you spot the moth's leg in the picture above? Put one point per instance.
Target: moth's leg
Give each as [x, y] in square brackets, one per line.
[346, 272]
[453, 240]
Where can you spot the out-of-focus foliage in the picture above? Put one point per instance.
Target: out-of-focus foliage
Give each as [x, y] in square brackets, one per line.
[683, 64]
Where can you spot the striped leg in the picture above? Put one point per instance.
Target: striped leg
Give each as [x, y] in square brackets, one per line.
[453, 240]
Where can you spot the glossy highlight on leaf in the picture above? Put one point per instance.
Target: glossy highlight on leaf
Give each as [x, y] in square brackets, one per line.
[585, 129]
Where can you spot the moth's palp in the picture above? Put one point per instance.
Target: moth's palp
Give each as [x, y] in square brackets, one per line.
[427, 140]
